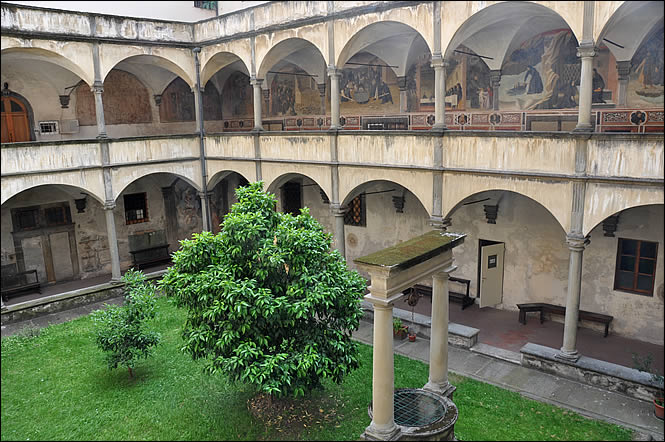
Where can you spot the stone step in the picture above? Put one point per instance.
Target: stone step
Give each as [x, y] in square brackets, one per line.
[497, 353]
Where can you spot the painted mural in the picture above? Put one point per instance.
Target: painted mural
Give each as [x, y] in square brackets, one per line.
[188, 209]
[645, 84]
[420, 85]
[293, 92]
[237, 97]
[468, 81]
[368, 85]
[543, 73]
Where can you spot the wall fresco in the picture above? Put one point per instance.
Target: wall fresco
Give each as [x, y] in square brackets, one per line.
[645, 84]
[237, 98]
[468, 81]
[368, 87]
[293, 92]
[420, 85]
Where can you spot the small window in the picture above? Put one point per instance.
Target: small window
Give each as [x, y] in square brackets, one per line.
[48, 127]
[206, 5]
[136, 208]
[355, 216]
[636, 266]
[57, 216]
[26, 219]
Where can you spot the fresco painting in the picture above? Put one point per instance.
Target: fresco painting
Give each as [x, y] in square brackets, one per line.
[543, 73]
[420, 85]
[645, 84]
[293, 92]
[369, 86]
[237, 97]
[468, 82]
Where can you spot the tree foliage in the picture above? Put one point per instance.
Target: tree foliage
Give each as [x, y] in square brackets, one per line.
[268, 302]
[121, 331]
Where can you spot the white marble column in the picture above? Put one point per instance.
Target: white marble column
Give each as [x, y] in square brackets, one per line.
[109, 206]
[439, 92]
[383, 425]
[204, 212]
[258, 123]
[586, 53]
[338, 237]
[576, 244]
[438, 349]
[334, 75]
[403, 105]
[495, 83]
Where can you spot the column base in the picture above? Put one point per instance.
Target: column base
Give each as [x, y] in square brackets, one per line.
[257, 129]
[372, 433]
[439, 128]
[447, 389]
[583, 128]
[567, 356]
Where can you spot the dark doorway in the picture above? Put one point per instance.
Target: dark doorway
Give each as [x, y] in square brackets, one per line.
[292, 198]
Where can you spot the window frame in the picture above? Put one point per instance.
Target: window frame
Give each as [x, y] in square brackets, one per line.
[348, 216]
[636, 273]
[145, 218]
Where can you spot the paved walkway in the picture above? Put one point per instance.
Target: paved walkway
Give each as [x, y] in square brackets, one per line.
[583, 399]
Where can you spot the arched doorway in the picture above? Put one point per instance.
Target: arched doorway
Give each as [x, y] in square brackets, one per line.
[15, 120]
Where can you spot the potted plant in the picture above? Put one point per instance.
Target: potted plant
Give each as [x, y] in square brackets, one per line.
[644, 364]
[399, 330]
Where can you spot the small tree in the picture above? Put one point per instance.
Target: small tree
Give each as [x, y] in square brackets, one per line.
[269, 303]
[121, 331]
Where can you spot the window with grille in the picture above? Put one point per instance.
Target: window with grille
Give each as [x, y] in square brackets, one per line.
[136, 208]
[636, 266]
[57, 216]
[48, 127]
[355, 215]
[26, 219]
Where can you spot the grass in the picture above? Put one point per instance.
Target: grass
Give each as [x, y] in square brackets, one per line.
[56, 386]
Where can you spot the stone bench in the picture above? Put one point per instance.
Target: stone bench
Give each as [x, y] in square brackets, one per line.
[148, 256]
[560, 310]
[14, 283]
[460, 298]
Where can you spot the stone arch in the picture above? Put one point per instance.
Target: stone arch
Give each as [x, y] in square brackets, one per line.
[216, 57]
[48, 52]
[272, 172]
[220, 175]
[500, 28]
[89, 180]
[219, 61]
[279, 181]
[178, 102]
[188, 172]
[6, 92]
[349, 33]
[383, 39]
[177, 61]
[555, 197]
[297, 51]
[417, 182]
[315, 37]
[629, 25]
[65, 187]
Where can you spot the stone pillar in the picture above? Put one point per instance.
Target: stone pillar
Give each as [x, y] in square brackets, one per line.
[439, 92]
[256, 83]
[266, 97]
[98, 89]
[403, 105]
[322, 94]
[109, 206]
[334, 75]
[171, 217]
[204, 211]
[586, 53]
[383, 425]
[338, 237]
[623, 69]
[576, 244]
[197, 110]
[438, 349]
[495, 82]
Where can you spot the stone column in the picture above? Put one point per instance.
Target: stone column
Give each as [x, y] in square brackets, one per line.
[339, 238]
[197, 110]
[97, 89]
[623, 69]
[256, 83]
[586, 53]
[204, 211]
[438, 349]
[403, 105]
[383, 425]
[576, 244]
[495, 82]
[109, 206]
[266, 97]
[322, 94]
[334, 75]
[439, 92]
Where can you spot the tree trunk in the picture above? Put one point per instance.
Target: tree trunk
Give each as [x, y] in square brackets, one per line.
[131, 374]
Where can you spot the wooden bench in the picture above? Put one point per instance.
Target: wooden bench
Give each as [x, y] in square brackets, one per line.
[14, 283]
[560, 310]
[149, 256]
[464, 299]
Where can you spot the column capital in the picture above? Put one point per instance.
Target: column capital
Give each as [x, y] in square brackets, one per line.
[338, 209]
[202, 194]
[586, 51]
[577, 242]
[97, 87]
[495, 77]
[109, 205]
[256, 82]
[332, 71]
[401, 83]
[438, 62]
[623, 69]
[440, 223]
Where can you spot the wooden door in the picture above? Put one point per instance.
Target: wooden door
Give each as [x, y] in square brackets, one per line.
[491, 275]
[15, 126]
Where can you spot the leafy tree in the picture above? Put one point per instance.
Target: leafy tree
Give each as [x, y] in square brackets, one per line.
[121, 331]
[268, 302]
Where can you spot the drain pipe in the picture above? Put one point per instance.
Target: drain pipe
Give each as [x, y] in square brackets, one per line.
[205, 203]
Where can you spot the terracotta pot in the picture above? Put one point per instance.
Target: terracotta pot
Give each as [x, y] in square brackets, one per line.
[659, 409]
[412, 337]
[399, 334]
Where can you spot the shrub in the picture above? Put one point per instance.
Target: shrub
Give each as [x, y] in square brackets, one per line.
[121, 331]
[268, 302]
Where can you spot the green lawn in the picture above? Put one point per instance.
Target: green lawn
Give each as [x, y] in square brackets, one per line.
[56, 386]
